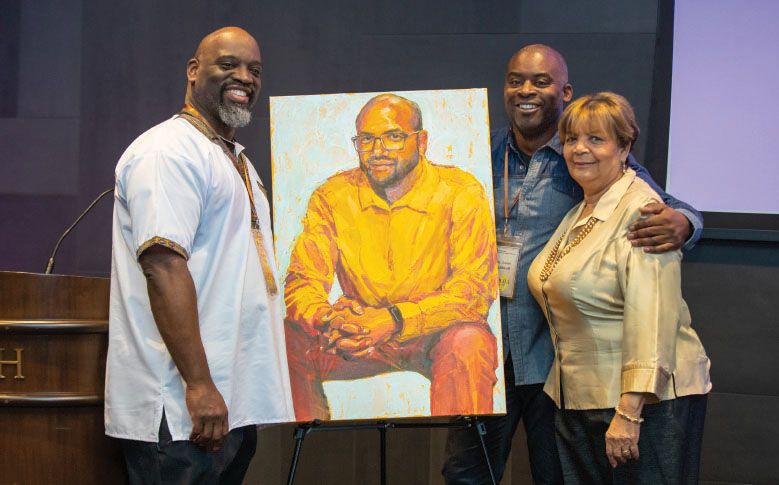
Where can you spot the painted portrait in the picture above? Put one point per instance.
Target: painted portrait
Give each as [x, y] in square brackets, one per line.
[385, 241]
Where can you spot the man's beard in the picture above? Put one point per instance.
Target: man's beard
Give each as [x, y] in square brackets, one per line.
[393, 179]
[233, 116]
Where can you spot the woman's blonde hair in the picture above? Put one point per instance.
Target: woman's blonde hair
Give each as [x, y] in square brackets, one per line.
[607, 111]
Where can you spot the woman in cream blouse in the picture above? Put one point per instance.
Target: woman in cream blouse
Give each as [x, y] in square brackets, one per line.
[630, 376]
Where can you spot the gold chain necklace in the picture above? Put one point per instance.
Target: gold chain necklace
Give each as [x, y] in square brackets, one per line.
[554, 258]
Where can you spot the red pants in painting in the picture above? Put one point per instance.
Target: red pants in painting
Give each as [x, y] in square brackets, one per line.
[460, 363]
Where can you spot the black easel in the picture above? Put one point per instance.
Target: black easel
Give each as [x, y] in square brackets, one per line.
[382, 426]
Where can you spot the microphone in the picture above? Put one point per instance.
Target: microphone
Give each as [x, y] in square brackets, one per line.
[50, 266]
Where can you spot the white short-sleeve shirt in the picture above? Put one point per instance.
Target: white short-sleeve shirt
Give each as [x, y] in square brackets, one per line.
[175, 186]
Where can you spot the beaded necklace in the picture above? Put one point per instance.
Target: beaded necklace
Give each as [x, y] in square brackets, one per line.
[554, 257]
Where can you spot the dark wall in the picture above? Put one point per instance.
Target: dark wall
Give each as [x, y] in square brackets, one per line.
[85, 77]
[81, 79]
[731, 288]
[40, 87]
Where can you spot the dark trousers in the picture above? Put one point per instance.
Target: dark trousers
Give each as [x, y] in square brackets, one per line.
[183, 462]
[669, 445]
[464, 459]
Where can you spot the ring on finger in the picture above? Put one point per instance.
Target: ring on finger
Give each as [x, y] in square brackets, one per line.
[626, 452]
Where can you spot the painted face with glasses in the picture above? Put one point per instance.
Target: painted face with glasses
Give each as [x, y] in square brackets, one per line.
[388, 142]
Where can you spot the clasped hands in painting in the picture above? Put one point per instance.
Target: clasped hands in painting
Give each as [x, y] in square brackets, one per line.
[353, 330]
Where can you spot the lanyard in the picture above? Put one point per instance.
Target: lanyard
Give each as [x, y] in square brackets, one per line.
[192, 115]
[195, 119]
[506, 209]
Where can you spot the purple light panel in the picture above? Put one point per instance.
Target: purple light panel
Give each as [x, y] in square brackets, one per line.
[723, 153]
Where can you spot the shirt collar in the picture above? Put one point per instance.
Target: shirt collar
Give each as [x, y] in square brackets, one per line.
[553, 144]
[417, 198]
[233, 143]
[608, 201]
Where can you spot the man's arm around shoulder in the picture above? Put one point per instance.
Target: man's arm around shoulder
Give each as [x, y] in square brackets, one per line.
[671, 225]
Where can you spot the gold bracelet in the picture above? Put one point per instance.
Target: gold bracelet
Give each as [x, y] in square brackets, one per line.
[627, 417]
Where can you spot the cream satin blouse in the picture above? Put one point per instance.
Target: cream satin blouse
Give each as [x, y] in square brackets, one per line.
[617, 317]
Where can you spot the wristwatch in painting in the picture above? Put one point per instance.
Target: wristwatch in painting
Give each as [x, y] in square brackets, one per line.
[397, 317]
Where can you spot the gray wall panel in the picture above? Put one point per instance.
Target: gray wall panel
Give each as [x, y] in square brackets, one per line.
[621, 63]
[10, 28]
[731, 289]
[737, 447]
[592, 16]
[440, 62]
[309, 48]
[29, 228]
[440, 17]
[50, 59]
[40, 156]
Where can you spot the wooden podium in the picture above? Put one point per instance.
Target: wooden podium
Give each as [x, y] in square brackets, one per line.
[53, 342]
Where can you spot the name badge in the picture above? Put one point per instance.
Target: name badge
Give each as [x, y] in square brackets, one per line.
[508, 261]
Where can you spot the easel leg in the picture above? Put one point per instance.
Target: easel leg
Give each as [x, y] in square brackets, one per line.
[305, 428]
[481, 430]
[300, 433]
[383, 438]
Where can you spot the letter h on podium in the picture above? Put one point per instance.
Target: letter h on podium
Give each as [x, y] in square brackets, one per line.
[17, 362]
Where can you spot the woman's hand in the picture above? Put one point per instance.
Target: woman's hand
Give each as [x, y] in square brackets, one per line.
[622, 435]
[622, 440]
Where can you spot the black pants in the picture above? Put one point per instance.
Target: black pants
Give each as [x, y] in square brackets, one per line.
[183, 462]
[669, 445]
[464, 459]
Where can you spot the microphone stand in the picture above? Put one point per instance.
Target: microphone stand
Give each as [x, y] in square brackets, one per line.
[50, 266]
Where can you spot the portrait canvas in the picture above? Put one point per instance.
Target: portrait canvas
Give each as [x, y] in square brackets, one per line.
[385, 243]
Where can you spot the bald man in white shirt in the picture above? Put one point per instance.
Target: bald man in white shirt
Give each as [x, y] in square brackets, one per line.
[196, 347]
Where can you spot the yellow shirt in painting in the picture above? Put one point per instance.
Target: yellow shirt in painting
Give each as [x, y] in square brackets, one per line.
[618, 320]
[432, 253]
